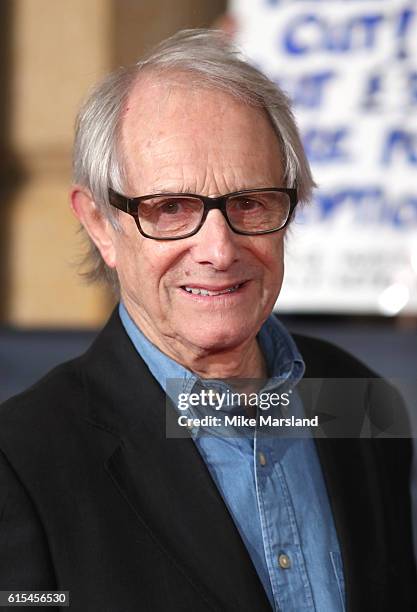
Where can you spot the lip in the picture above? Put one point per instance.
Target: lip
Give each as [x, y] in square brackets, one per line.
[215, 287]
[228, 296]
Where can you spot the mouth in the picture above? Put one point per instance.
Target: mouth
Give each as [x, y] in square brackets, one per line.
[206, 292]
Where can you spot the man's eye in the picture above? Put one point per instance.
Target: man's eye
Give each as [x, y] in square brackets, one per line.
[170, 208]
[248, 204]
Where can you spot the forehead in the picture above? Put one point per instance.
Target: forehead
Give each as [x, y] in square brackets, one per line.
[180, 135]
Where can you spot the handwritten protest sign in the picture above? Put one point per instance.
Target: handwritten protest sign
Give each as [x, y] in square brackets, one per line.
[350, 68]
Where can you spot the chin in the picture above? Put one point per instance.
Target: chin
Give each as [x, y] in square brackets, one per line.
[219, 338]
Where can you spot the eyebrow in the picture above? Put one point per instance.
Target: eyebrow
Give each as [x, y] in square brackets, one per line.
[161, 190]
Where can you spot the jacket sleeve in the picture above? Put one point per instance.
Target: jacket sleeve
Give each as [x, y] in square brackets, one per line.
[25, 561]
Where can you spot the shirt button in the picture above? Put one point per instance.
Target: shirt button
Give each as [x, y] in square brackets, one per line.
[262, 459]
[284, 561]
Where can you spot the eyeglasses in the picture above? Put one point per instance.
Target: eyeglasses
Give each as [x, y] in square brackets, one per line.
[173, 216]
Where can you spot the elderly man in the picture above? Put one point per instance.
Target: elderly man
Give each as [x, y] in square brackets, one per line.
[188, 167]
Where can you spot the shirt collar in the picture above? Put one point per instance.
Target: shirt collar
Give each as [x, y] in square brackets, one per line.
[284, 361]
[161, 366]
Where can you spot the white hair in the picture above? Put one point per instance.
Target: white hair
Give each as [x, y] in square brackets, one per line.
[213, 62]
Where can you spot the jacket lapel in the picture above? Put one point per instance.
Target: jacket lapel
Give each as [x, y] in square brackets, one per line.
[165, 481]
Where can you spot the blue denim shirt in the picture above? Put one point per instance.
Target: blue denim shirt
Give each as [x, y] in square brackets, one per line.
[272, 485]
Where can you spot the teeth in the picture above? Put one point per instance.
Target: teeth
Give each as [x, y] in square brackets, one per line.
[195, 291]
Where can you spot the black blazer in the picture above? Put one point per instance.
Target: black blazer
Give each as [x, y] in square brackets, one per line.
[95, 500]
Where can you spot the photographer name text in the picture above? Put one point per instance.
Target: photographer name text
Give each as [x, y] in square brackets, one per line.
[243, 421]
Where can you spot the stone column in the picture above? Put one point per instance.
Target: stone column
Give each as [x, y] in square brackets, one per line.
[56, 50]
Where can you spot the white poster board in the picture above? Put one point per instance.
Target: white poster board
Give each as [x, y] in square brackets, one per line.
[350, 67]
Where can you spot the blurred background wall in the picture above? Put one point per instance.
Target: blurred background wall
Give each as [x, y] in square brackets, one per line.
[52, 53]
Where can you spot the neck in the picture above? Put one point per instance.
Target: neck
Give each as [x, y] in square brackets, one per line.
[244, 361]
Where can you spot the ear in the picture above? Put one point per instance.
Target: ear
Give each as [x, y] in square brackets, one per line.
[95, 223]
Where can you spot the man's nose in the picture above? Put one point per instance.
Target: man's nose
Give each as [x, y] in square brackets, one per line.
[215, 243]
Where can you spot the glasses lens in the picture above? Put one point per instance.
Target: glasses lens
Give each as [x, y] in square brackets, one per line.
[170, 216]
[258, 211]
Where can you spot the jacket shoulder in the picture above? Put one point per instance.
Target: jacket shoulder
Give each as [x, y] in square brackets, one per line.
[379, 398]
[324, 359]
[47, 407]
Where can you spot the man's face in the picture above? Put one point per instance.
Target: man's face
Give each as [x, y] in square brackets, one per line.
[178, 139]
